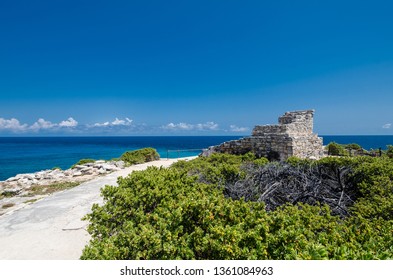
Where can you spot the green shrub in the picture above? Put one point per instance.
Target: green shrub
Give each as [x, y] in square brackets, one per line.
[182, 213]
[165, 214]
[295, 161]
[261, 161]
[83, 161]
[389, 151]
[335, 149]
[140, 156]
[218, 169]
[353, 146]
[310, 233]
[375, 184]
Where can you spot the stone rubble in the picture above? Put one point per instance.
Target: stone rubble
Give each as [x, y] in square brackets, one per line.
[293, 136]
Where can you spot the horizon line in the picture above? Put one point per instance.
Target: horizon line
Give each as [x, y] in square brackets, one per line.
[226, 135]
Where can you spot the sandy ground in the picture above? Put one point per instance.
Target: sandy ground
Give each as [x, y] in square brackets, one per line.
[51, 228]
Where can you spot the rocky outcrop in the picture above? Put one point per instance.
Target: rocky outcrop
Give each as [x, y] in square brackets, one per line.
[293, 136]
[22, 182]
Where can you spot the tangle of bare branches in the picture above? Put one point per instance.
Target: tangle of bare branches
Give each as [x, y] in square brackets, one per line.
[276, 184]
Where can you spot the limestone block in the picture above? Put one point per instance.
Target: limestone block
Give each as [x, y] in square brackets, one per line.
[77, 173]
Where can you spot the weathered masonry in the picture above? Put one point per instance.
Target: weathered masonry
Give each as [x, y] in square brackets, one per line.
[293, 136]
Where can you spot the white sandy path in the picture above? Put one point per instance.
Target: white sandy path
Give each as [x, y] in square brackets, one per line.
[51, 228]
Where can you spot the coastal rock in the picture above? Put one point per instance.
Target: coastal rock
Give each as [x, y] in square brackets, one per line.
[67, 172]
[12, 179]
[29, 176]
[57, 177]
[101, 171]
[86, 169]
[18, 184]
[12, 191]
[109, 167]
[120, 164]
[78, 167]
[23, 181]
[77, 173]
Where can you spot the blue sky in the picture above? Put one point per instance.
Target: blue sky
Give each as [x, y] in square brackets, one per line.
[194, 67]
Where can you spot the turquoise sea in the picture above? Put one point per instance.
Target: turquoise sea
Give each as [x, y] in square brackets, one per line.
[30, 154]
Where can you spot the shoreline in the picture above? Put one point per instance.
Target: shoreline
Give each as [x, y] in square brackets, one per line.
[52, 227]
[21, 155]
[26, 188]
[31, 154]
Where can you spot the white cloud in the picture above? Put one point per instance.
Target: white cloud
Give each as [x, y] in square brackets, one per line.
[169, 126]
[12, 124]
[116, 126]
[235, 128]
[207, 126]
[387, 125]
[116, 122]
[42, 124]
[101, 124]
[127, 121]
[187, 126]
[179, 126]
[70, 122]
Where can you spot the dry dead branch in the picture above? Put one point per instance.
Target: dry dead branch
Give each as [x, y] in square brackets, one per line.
[276, 184]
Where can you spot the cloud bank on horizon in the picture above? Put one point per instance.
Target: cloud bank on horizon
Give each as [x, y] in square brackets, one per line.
[118, 126]
[116, 122]
[71, 126]
[187, 126]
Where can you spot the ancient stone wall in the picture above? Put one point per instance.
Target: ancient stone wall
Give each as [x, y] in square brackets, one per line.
[293, 136]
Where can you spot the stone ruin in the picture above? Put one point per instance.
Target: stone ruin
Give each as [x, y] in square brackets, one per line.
[293, 136]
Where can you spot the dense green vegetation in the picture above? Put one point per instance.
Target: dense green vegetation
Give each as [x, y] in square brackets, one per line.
[129, 157]
[389, 151]
[189, 211]
[335, 149]
[140, 156]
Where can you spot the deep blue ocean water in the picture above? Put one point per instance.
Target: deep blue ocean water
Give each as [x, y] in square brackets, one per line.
[31, 154]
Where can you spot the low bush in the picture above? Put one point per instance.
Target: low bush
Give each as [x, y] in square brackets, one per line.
[187, 212]
[389, 151]
[335, 149]
[83, 161]
[165, 214]
[374, 180]
[140, 156]
[353, 146]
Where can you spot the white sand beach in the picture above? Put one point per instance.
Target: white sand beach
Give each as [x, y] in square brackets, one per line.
[51, 228]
